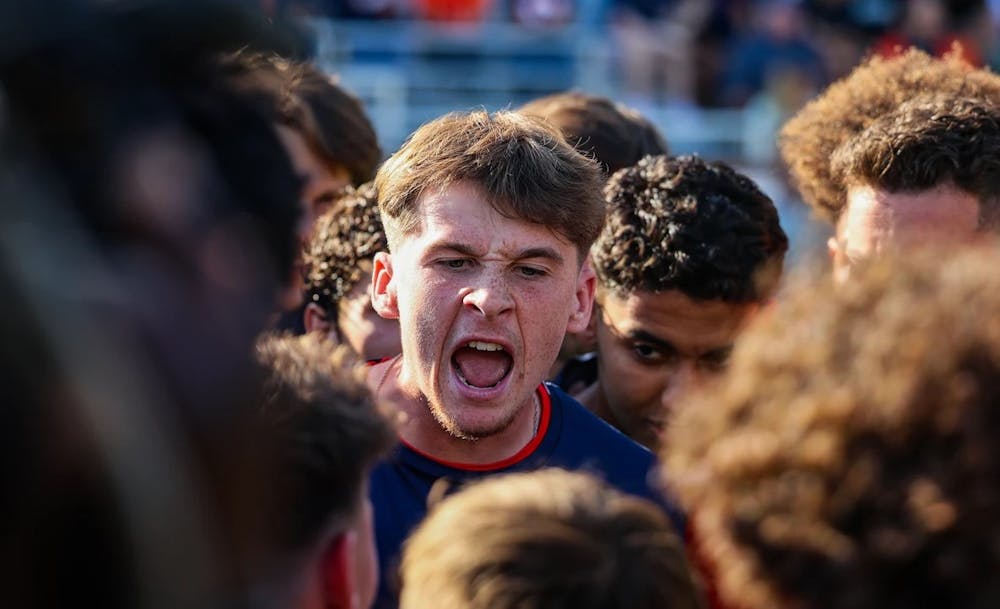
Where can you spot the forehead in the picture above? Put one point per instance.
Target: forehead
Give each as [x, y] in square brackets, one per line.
[672, 316]
[461, 213]
[874, 217]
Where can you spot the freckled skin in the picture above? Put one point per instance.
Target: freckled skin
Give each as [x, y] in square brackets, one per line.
[653, 347]
[470, 273]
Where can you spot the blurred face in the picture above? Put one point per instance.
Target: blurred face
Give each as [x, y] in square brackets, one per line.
[371, 336]
[875, 221]
[483, 302]
[653, 347]
[322, 182]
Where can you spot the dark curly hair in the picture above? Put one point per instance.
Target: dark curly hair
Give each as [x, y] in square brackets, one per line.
[850, 105]
[850, 457]
[685, 224]
[613, 134]
[926, 142]
[341, 239]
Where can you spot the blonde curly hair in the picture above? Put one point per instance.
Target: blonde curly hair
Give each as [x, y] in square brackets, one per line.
[847, 107]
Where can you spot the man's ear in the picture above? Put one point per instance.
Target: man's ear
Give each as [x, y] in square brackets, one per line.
[316, 319]
[383, 287]
[583, 301]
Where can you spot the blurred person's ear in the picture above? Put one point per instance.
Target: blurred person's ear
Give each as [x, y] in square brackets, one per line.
[316, 319]
[338, 590]
[383, 287]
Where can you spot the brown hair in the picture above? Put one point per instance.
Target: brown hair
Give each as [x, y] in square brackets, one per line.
[613, 134]
[331, 120]
[850, 105]
[685, 224]
[849, 459]
[549, 539]
[325, 429]
[522, 167]
[342, 238]
[926, 142]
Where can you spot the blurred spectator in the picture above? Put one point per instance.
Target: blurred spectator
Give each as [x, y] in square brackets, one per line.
[655, 40]
[927, 25]
[849, 459]
[337, 272]
[549, 539]
[775, 45]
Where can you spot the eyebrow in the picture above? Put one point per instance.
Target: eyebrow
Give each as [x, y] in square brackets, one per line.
[646, 337]
[531, 252]
[668, 347]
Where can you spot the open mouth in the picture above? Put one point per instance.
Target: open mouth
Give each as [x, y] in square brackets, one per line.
[482, 365]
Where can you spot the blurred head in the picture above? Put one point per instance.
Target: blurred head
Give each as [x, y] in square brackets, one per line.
[325, 435]
[849, 459]
[850, 105]
[337, 271]
[927, 172]
[523, 168]
[549, 539]
[614, 135]
[146, 227]
[689, 251]
[327, 134]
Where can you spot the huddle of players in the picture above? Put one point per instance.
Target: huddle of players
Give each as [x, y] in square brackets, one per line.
[843, 459]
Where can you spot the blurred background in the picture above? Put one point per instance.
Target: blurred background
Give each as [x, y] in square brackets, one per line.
[718, 77]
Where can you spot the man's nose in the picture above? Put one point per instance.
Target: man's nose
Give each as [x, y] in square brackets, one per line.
[681, 379]
[490, 295]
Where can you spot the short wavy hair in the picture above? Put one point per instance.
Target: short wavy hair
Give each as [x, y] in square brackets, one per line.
[689, 225]
[850, 456]
[522, 166]
[549, 539]
[615, 135]
[926, 142]
[847, 107]
[341, 239]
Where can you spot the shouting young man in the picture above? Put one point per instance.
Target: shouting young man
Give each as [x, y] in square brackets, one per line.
[489, 219]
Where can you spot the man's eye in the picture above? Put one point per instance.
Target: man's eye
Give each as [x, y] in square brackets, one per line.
[456, 263]
[646, 352]
[529, 271]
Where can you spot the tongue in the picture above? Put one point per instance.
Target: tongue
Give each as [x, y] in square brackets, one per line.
[482, 368]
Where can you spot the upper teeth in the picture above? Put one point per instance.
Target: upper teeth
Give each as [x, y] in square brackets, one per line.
[481, 346]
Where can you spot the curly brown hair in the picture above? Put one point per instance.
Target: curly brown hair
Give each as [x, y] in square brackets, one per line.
[613, 134]
[549, 539]
[689, 225]
[925, 142]
[342, 238]
[850, 457]
[847, 107]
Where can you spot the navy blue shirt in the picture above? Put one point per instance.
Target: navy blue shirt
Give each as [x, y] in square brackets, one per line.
[569, 437]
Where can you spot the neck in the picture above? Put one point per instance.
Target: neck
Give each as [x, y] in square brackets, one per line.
[592, 398]
[419, 429]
